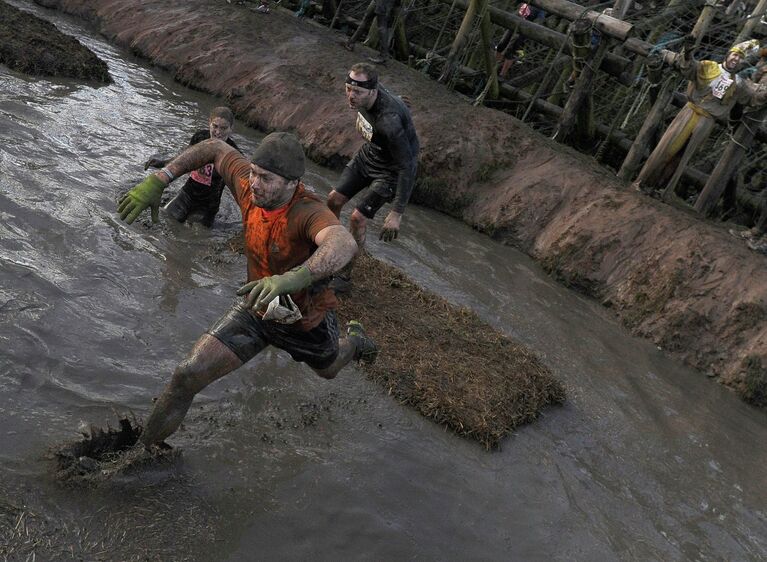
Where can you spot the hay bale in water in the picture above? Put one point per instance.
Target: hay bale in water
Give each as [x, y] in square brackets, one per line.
[443, 360]
[34, 46]
[103, 454]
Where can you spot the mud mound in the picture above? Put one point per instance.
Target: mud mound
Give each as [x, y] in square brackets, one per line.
[443, 360]
[104, 454]
[34, 46]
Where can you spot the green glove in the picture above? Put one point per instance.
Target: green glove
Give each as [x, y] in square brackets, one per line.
[146, 194]
[263, 291]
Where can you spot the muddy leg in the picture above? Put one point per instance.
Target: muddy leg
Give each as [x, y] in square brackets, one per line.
[367, 19]
[670, 144]
[507, 64]
[336, 202]
[342, 281]
[357, 345]
[209, 360]
[358, 226]
[383, 38]
[346, 350]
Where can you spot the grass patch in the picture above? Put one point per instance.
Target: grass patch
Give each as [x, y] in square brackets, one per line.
[443, 360]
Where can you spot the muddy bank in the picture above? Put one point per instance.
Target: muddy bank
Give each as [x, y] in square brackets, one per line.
[34, 46]
[682, 283]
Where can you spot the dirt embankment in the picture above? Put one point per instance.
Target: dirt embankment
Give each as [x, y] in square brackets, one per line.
[34, 46]
[672, 278]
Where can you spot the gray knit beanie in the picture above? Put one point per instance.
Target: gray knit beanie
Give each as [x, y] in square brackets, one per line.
[282, 154]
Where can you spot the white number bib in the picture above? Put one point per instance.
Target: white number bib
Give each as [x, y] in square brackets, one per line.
[719, 86]
[365, 128]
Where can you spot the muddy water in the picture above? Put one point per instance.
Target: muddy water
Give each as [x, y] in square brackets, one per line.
[646, 461]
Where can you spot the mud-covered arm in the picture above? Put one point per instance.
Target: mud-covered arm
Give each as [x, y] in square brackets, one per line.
[335, 248]
[160, 160]
[404, 161]
[687, 66]
[684, 61]
[196, 156]
[148, 193]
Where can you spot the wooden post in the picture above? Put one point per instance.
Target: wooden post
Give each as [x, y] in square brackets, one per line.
[557, 90]
[704, 21]
[582, 87]
[372, 38]
[607, 25]
[401, 46]
[367, 20]
[485, 44]
[641, 145]
[729, 161]
[620, 8]
[751, 22]
[459, 41]
[336, 14]
[660, 23]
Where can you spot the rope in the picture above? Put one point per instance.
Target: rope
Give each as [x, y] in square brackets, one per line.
[481, 97]
[603, 144]
[430, 54]
[471, 40]
[638, 101]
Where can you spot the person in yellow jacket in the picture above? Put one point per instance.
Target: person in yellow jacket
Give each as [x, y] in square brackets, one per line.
[713, 90]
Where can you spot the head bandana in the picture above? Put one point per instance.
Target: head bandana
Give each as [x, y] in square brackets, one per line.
[367, 84]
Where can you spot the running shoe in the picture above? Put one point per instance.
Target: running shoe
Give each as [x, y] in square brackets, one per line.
[366, 349]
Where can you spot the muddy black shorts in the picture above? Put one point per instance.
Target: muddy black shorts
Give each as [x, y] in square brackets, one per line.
[247, 335]
[354, 179]
[184, 205]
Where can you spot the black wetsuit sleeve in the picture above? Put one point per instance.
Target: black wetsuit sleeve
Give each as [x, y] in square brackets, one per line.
[199, 136]
[403, 160]
[230, 142]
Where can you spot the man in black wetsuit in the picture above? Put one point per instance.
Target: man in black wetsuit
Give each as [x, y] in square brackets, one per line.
[387, 162]
[201, 194]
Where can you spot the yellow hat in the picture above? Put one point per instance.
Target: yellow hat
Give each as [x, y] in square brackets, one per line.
[737, 50]
[708, 70]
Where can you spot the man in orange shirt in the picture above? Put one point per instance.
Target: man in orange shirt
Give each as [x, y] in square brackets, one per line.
[293, 244]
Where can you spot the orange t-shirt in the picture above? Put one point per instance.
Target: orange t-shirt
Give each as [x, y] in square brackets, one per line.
[279, 240]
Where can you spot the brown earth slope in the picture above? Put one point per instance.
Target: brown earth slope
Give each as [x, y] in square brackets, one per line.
[34, 46]
[672, 278]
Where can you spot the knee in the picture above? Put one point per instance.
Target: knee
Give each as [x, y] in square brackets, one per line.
[358, 220]
[187, 378]
[336, 201]
[327, 374]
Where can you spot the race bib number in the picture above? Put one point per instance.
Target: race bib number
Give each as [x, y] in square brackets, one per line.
[719, 86]
[203, 175]
[365, 128]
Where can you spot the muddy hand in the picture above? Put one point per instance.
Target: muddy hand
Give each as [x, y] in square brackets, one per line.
[262, 292]
[154, 162]
[390, 229]
[146, 194]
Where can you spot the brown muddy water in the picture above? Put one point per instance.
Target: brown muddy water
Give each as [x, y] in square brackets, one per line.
[646, 461]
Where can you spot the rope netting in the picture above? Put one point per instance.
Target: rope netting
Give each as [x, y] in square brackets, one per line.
[535, 71]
